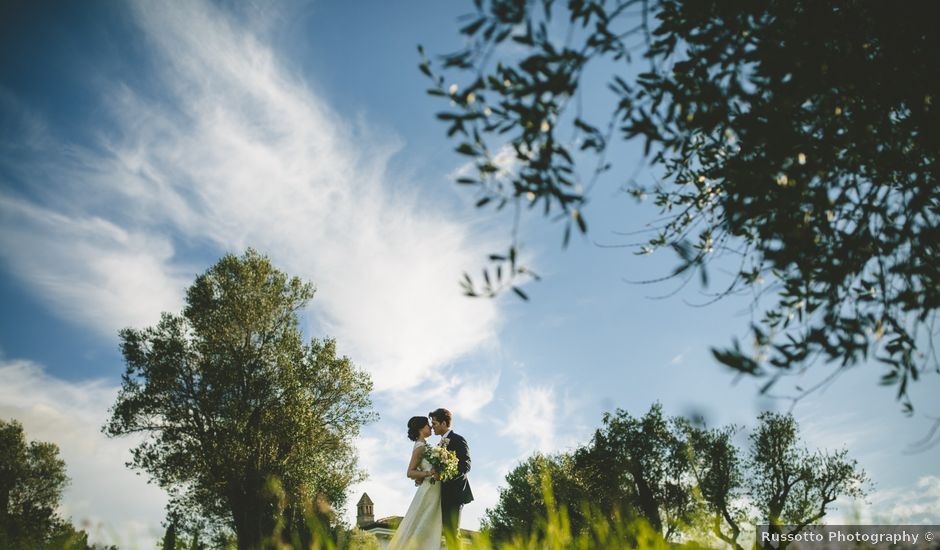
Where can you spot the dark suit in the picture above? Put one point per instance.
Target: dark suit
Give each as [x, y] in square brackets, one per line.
[455, 492]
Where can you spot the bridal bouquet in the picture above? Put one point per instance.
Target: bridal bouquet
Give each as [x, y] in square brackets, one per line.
[443, 461]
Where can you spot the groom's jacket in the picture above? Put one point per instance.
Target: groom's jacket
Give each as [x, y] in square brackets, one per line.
[456, 491]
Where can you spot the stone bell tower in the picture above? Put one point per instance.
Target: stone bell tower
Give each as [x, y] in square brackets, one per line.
[364, 513]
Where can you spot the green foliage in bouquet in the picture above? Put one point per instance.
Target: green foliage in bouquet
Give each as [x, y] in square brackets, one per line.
[443, 461]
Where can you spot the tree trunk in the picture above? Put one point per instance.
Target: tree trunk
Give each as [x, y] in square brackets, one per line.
[731, 539]
[248, 513]
[648, 505]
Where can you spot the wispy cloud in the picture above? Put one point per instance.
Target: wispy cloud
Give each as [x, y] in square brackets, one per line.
[531, 422]
[222, 148]
[917, 503]
[920, 504]
[835, 431]
[466, 394]
[87, 268]
[473, 395]
[111, 502]
[227, 149]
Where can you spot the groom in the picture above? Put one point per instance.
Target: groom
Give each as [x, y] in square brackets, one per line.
[455, 492]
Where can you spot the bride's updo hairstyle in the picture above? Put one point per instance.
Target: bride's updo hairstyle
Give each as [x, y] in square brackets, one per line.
[415, 425]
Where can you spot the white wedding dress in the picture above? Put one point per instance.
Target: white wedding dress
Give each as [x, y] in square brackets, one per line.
[421, 529]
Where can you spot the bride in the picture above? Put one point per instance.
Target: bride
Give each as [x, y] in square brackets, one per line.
[421, 528]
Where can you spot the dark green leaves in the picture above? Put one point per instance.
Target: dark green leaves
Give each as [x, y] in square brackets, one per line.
[504, 272]
[736, 359]
[466, 149]
[32, 478]
[796, 140]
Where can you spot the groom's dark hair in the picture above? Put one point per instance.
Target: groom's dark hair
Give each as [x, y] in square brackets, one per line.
[441, 415]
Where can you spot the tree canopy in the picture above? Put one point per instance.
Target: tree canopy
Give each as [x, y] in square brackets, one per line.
[32, 478]
[793, 141]
[246, 426]
[778, 482]
[640, 465]
[680, 479]
[522, 501]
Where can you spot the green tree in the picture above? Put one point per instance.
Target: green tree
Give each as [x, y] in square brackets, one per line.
[522, 505]
[67, 537]
[244, 423]
[792, 141]
[718, 471]
[791, 486]
[632, 468]
[676, 477]
[779, 482]
[32, 478]
[169, 537]
[640, 465]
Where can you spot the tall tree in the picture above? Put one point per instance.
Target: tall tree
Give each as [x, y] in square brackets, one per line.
[779, 482]
[718, 471]
[522, 505]
[640, 464]
[794, 141]
[32, 478]
[792, 486]
[244, 423]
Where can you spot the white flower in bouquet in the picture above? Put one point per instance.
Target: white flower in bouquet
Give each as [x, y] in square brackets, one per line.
[443, 461]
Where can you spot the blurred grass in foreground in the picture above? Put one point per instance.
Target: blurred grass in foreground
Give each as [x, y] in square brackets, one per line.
[551, 531]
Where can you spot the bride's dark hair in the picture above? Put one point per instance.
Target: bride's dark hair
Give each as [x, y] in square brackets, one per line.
[415, 424]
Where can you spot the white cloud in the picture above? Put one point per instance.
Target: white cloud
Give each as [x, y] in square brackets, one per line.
[472, 396]
[114, 504]
[915, 504]
[87, 268]
[833, 431]
[531, 422]
[223, 149]
[240, 152]
[465, 395]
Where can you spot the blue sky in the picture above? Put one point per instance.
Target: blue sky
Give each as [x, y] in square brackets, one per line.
[139, 143]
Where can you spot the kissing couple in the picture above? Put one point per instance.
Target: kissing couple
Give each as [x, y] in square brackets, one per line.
[435, 508]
